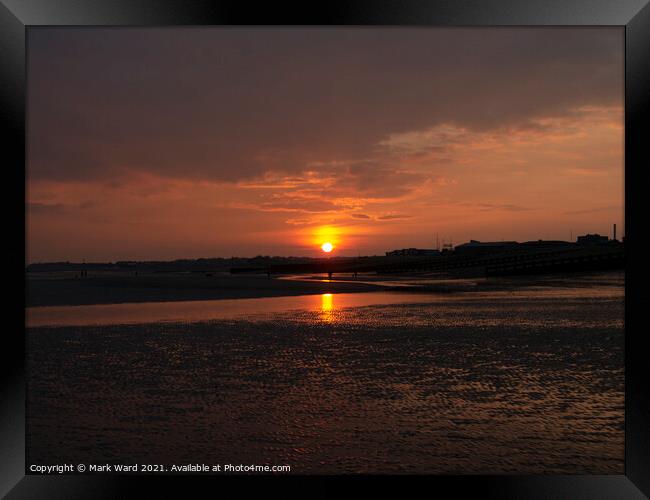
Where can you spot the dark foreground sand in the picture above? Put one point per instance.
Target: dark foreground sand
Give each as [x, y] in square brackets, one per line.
[529, 384]
[51, 289]
[63, 289]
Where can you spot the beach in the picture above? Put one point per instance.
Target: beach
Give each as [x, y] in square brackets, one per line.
[68, 289]
[497, 381]
[48, 289]
[325, 250]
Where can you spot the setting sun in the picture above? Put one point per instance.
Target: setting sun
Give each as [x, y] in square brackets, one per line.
[327, 247]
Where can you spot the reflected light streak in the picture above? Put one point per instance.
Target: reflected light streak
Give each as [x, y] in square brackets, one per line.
[327, 307]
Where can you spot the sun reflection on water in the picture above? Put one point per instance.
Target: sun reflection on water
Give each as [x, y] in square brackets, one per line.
[327, 307]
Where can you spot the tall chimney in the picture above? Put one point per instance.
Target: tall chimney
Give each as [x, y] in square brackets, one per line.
[614, 232]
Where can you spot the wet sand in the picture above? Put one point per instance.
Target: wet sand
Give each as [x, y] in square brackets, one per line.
[529, 383]
[62, 289]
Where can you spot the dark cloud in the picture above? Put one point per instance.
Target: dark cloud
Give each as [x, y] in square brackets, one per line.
[394, 216]
[38, 208]
[360, 216]
[290, 204]
[374, 180]
[507, 207]
[299, 222]
[34, 208]
[592, 210]
[230, 104]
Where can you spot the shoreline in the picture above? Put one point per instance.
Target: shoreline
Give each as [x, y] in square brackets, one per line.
[99, 289]
[120, 288]
[390, 382]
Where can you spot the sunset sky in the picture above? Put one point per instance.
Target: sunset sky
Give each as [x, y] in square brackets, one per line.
[153, 144]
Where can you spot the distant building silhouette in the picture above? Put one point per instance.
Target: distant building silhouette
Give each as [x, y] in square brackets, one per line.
[545, 244]
[412, 252]
[592, 239]
[475, 247]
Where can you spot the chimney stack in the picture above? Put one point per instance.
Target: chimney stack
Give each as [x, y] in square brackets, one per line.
[614, 232]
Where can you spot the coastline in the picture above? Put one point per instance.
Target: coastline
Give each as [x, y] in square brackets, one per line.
[443, 387]
[60, 289]
[119, 288]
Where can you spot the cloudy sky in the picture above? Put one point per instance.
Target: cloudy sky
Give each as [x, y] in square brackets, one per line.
[184, 142]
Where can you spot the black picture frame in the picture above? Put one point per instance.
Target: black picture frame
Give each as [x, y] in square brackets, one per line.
[17, 16]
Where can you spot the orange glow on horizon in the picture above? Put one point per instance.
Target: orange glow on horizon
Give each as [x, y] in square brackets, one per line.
[536, 157]
[326, 238]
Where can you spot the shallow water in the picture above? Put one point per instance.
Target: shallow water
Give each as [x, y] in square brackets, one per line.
[206, 310]
[495, 382]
